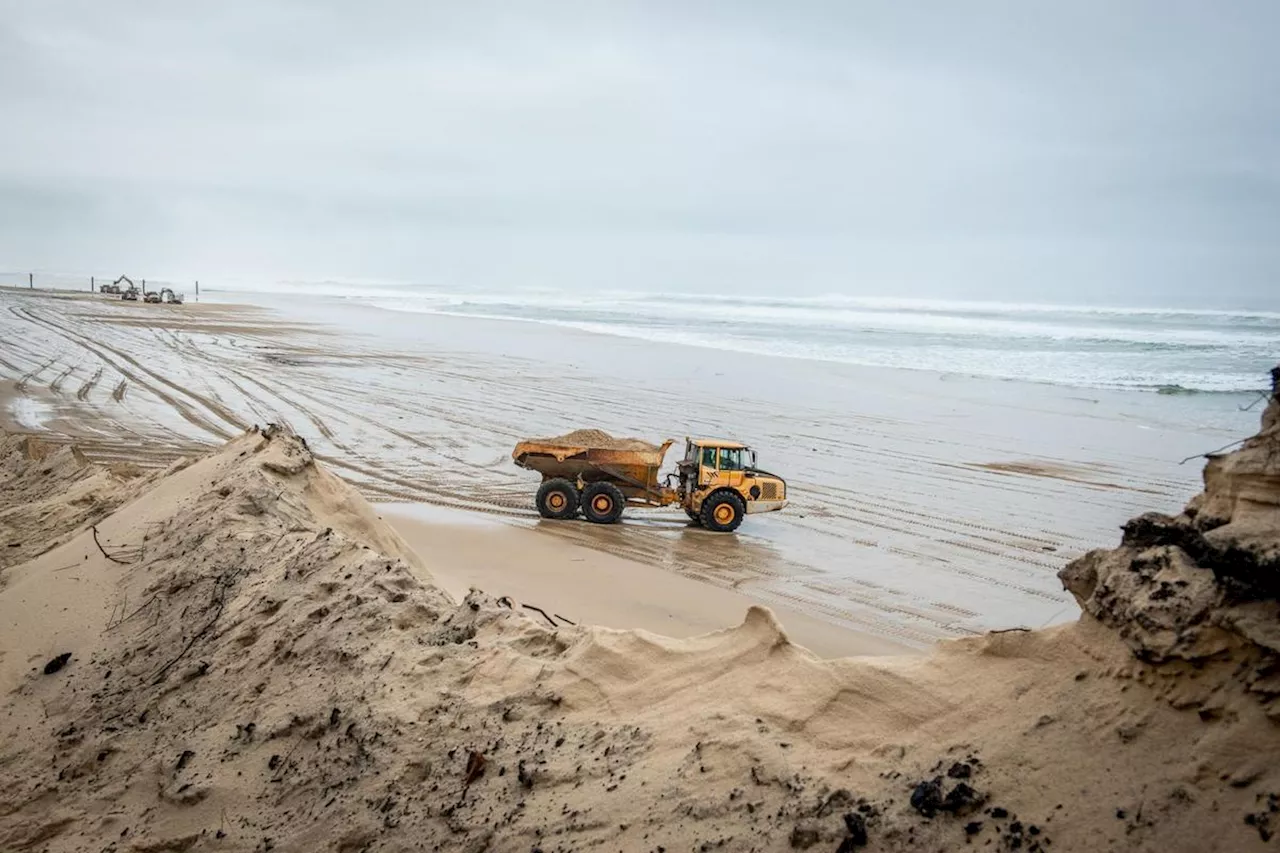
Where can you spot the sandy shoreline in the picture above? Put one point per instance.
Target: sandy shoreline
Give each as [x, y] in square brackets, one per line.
[926, 507]
[591, 587]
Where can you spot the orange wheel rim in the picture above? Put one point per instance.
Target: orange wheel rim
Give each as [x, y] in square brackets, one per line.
[556, 501]
[724, 513]
[602, 503]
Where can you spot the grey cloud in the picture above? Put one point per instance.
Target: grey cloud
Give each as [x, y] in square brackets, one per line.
[1119, 152]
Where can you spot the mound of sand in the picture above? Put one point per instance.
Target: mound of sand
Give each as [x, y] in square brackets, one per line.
[1202, 588]
[50, 490]
[598, 440]
[266, 666]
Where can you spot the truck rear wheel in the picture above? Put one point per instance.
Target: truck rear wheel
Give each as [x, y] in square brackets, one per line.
[723, 512]
[602, 503]
[557, 499]
[693, 516]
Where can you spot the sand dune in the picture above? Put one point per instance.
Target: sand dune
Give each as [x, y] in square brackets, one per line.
[248, 659]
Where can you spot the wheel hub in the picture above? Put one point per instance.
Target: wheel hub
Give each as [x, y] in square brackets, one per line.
[724, 513]
[556, 501]
[602, 503]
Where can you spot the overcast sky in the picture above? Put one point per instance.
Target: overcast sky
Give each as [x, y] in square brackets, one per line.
[1124, 152]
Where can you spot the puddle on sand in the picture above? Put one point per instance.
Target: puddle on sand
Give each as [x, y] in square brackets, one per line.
[29, 414]
[433, 514]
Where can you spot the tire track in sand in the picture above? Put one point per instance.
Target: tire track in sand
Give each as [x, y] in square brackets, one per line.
[82, 393]
[186, 411]
[214, 407]
[317, 422]
[21, 385]
[56, 385]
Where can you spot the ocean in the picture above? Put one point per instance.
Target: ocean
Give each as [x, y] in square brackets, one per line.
[1169, 351]
[1157, 350]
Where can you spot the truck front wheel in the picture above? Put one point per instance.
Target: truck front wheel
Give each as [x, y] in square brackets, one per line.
[602, 503]
[557, 499]
[723, 512]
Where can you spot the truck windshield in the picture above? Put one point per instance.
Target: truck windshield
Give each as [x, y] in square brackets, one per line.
[730, 459]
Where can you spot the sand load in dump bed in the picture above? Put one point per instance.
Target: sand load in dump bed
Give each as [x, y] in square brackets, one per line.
[595, 439]
[597, 444]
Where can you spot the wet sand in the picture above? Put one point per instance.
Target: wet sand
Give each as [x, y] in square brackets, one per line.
[924, 505]
[567, 583]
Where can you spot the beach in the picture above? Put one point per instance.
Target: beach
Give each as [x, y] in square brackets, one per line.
[924, 505]
[235, 650]
[562, 582]
[639, 428]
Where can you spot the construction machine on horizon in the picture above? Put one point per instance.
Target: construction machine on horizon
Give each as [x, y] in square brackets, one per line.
[113, 288]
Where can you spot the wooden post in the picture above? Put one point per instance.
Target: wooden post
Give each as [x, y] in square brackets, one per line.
[31, 281]
[91, 284]
[197, 290]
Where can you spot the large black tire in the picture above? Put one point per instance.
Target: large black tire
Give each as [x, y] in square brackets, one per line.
[602, 503]
[557, 499]
[723, 512]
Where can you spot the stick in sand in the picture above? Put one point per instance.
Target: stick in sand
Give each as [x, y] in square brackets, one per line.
[104, 550]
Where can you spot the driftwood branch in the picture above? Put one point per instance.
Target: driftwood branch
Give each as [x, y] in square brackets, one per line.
[543, 612]
[508, 603]
[117, 623]
[219, 604]
[104, 550]
[1212, 452]
[1262, 395]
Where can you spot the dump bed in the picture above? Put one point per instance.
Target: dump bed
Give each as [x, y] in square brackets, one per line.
[593, 455]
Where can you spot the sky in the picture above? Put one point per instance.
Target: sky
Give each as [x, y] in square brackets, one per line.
[1102, 152]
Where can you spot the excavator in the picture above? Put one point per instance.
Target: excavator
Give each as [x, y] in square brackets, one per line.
[114, 288]
[164, 295]
[131, 293]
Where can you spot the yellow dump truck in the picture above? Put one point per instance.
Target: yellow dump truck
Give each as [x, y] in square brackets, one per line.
[592, 473]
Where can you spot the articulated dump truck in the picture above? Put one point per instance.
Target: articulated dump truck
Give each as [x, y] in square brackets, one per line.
[592, 473]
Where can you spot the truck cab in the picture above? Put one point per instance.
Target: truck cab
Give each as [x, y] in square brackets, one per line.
[720, 482]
